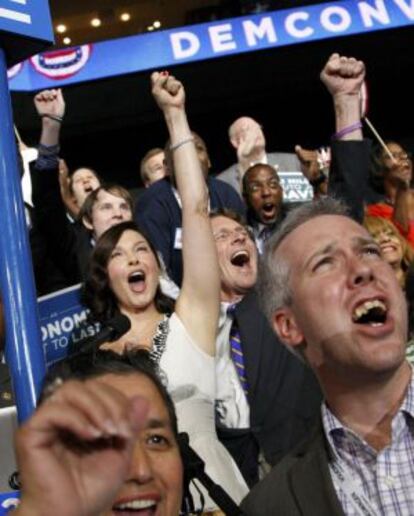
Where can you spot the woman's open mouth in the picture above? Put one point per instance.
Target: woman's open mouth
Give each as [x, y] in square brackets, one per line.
[136, 281]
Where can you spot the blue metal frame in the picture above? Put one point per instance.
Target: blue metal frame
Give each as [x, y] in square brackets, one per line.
[24, 352]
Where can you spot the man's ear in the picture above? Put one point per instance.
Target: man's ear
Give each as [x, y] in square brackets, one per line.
[87, 223]
[234, 142]
[286, 327]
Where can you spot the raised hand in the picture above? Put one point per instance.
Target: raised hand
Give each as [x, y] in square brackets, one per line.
[343, 75]
[65, 191]
[64, 180]
[167, 91]
[308, 162]
[74, 452]
[248, 142]
[50, 102]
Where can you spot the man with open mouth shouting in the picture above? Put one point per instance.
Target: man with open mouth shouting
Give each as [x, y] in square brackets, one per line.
[263, 195]
[266, 398]
[334, 300]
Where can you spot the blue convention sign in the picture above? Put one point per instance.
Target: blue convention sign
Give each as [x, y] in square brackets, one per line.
[223, 38]
[29, 24]
[288, 27]
[29, 18]
[63, 321]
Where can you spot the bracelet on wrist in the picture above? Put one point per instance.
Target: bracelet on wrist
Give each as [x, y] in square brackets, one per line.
[346, 130]
[48, 150]
[56, 118]
[181, 143]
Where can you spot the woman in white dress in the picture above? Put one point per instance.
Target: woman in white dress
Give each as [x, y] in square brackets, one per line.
[124, 277]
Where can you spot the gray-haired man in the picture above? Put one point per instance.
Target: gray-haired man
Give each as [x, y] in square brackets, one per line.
[333, 299]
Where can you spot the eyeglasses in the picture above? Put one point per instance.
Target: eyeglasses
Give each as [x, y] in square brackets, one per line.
[226, 234]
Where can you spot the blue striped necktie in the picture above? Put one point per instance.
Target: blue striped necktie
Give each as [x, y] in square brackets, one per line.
[236, 351]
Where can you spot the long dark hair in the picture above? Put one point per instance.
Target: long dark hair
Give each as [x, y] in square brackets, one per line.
[96, 293]
[377, 167]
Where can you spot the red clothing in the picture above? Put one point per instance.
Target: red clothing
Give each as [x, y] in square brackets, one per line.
[386, 211]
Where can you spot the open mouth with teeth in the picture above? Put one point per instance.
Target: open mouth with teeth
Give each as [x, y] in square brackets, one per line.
[388, 248]
[268, 210]
[373, 313]
[240, 258]
[136, 281]
[139, 507]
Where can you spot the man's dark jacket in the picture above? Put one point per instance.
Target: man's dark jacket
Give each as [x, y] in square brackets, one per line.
[284, 396]
[299, 485]
[69, 244]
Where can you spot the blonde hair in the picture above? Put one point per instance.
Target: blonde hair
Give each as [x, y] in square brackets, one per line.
[376, 225]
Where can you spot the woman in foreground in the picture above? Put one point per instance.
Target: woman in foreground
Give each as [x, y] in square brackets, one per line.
[91, 449]
[124, 277]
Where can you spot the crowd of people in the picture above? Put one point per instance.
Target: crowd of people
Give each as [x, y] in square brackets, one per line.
[270, 341]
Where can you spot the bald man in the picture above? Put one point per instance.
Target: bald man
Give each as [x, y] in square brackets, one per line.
[247, 138]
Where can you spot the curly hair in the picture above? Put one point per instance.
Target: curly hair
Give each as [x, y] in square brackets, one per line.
[377, 168]
[97, 294]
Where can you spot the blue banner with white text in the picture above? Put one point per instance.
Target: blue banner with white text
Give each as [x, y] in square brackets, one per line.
[25, 28]
[29, 18]
[63, 320]
[158, 50]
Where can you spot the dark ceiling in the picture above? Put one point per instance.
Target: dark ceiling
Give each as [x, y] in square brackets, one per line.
[111, 123]
[76, 14]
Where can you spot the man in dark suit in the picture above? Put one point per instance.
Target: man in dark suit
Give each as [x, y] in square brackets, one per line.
[263, 194]
[158, 212]
[282, 397]
[334, 301]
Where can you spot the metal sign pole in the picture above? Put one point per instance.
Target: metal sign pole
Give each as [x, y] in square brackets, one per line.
[25, 29]
[24, 353]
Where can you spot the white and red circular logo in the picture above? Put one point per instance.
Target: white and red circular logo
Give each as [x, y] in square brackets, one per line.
[63, 63]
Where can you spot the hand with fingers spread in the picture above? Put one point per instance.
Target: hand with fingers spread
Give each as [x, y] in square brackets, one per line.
[74, 453]
[343, 75]
[167, 91]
